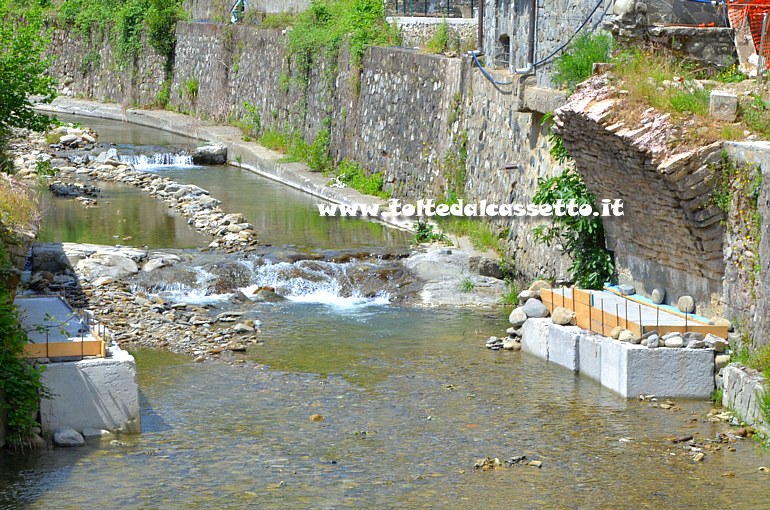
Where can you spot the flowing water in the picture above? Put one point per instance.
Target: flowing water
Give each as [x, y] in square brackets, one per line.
[409, 397]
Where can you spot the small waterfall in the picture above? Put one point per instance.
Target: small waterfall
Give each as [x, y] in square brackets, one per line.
[313, 282]
[158, 159]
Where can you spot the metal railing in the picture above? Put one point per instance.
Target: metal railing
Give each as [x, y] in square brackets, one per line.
[432, 8]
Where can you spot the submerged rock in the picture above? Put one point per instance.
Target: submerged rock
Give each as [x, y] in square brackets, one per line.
[66, 436]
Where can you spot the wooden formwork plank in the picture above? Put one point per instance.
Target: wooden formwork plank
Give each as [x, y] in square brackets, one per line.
[64, 349]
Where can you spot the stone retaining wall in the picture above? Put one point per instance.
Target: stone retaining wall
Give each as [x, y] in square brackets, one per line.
[742, 390]
[417, 31]
[671, 233]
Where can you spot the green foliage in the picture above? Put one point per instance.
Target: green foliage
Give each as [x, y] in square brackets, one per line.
[190, 88]
[274, 140]
[467, 285]
[439, 43]
[716, 397]
[756, 115]
[478, 232]
[127, 39]
[575, 64]
[581, 237]
[511, 294]
[354, 176]
[283, 83]
[455, 165]
[279, 20]
[253, 119]
[694, 101]
[161, 18]
[730, 75]
[44, 168]
[318, 157]
[326, 24]
[424, 233]
[557, 149]
[23, 69]
[126, 19]
[163, 97]
[20, 381]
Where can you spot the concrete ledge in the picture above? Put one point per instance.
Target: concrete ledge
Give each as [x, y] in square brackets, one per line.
[92, 393]
[627, 369]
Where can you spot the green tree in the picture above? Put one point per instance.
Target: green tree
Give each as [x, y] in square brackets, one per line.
[23, 66]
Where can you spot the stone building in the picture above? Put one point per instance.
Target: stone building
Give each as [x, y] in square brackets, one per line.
[506, 33]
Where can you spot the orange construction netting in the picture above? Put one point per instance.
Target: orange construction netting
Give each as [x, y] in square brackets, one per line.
[753, 12]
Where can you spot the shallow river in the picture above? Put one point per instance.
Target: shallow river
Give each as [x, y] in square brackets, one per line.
[410, 400]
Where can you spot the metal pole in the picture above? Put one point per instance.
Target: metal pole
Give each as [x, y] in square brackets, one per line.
[603, 317]
[657, 319]
[590, 320]
[626, 314]
[641, 328]
[447, 9]
[762, 67]
[472, 8]
[411, 8]
[685, 322]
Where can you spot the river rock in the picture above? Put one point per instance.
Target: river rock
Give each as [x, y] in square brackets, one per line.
[535, 309]
[267, 296]
[715, 342]
[491, 268]
[562, 316]
[539, 285]
[511, 344]
[675, 342]
[629, 336]
[627, 290]
[210, 155]
[243, 328]
[616, 331]
[686, 304]
[721, 361]
[653, 341]
[696, 344]
[65, 436]
[658, 296]
[518, 317]
[721, 321]
[526, 295]
[153, 264]
[692, 335]
[91, 432]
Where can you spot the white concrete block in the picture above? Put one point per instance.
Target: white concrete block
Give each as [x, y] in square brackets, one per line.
[633, 370]
[682, 373]
[563, 346]
[534, 337]
[613, 372]
[92, 393]
[590, 355]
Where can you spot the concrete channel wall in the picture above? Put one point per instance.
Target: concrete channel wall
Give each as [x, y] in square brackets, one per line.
[627, 369]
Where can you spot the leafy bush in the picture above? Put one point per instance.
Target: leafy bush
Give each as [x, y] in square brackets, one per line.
[326, 24]
[274, 140]
[20, 381]
[439, 43]
[424, 233]
[581, 237]
[575, 64]
[354, 176]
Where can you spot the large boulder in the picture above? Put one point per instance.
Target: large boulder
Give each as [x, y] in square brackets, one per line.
[518, 317]
[535, 309]
[65, 436]
[210, 155]
[107, 264]
[563, 316]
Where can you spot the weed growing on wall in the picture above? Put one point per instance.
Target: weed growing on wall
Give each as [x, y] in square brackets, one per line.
[439, 43]
[575, 64]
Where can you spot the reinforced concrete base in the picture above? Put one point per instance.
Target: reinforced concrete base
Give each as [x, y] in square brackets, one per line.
[627, 369]
[93, 393]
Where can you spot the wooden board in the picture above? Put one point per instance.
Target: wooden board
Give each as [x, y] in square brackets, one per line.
[65, 349]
